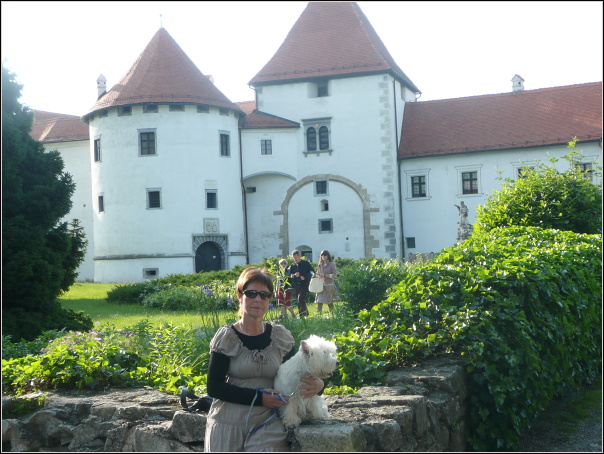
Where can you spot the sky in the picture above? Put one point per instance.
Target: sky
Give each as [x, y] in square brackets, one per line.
[448, 49]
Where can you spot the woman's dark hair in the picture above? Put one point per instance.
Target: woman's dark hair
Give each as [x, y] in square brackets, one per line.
[324, 252]
[253, 274]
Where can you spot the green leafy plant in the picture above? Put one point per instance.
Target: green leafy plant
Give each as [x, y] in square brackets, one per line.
[547, 199]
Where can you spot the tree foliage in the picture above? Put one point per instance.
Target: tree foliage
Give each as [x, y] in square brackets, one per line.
[39, 253]
[547, 199]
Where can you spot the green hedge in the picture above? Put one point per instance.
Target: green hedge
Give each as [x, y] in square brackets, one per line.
[521, 305]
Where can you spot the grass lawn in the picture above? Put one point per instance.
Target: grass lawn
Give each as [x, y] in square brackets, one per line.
[90, 298]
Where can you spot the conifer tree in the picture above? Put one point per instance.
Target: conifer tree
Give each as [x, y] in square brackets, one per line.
[39, 252]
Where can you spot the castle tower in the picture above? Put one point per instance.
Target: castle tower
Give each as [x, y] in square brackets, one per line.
[164, 152]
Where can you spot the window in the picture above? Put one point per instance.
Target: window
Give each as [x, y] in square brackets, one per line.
[124, 111]
[225, 148]
[150, 108]
[153, 198]
[325, 226]
[469, 182]
[522, 170]
[101, 204]
[103, 113]
[203, 109]
[211, 199]
[223, 111]
[320, 187]
[250, 189]
[317, 134]
[410, 242]
[177, 108]
[418, 186]
[147, 143]
[97, 150]
[324, 205]
[322, 89]
[586, 168]
[150, 273]
[266, 147]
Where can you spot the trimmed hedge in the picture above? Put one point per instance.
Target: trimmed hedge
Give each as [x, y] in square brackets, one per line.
[521, 305]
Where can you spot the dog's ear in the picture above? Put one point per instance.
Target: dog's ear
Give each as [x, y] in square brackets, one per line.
[305, 348]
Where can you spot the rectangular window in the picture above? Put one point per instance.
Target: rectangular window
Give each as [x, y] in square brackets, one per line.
[103, 113]
[150, 108]
[320, 187]
[225, 148]
[223, 111]
[523, 170]
[101, 204]
[150, 273]
[410, 242]
[266, 147]
[124, 111]
[147, 143]
[418, 186]
[322, 89]
[211, 199]
[586, 168]
[203, 109]
[325, 226]
[469, 182]
[97, 150]
[177, 108]
[153, 198]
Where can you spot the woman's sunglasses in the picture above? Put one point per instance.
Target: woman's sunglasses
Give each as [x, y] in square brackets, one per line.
[254, 294]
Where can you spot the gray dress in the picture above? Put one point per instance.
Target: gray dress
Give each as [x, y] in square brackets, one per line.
[226, 425]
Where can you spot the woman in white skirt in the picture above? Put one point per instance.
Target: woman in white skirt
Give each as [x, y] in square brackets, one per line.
[327, 271]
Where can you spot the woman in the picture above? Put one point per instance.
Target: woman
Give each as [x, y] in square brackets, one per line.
[327, 271]
[244, 358]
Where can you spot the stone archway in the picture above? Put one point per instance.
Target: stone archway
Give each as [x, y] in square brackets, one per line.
[370, 242]
[206, 244]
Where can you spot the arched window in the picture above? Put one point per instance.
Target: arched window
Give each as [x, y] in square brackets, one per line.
[311, 139]
[323, 138]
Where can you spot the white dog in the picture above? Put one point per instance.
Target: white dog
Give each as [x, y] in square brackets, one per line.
[316, 358]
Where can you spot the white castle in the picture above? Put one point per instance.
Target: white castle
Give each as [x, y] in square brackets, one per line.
[336, 152]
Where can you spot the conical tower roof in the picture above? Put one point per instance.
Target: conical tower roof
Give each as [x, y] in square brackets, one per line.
[163, 73]
[330, 39]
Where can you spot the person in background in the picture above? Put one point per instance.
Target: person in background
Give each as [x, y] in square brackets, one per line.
[244, 359]
[301, 272]
[327, 271]
[284, 290]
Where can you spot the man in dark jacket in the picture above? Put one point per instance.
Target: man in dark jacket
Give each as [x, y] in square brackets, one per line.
[301, 274]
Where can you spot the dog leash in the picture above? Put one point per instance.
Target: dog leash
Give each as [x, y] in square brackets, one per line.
[274, 411]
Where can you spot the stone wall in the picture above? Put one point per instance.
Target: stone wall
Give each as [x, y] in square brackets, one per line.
[422, 408]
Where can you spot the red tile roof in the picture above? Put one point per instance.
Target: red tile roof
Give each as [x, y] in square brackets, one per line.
[524, 118]
[330, 39]
[163, 73]
[255, 119]
[54, 127]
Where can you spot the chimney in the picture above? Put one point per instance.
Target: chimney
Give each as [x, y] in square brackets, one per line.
[517, 83]
[101, 86]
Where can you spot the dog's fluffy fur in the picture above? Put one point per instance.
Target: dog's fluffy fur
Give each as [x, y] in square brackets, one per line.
[316, 358]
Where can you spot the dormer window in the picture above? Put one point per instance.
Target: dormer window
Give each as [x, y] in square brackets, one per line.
[318, 89]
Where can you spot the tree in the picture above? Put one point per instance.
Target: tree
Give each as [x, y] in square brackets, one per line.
[544, 198]
[39, 253]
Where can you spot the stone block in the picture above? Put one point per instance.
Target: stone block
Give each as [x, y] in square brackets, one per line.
[330, 438]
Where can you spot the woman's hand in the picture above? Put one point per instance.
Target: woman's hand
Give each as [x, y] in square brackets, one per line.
[310, 387]
[273, 400]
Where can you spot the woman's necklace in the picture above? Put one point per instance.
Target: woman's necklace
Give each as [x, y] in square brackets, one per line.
[240, 322]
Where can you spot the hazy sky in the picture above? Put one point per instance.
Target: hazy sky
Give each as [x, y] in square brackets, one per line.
[448, 49]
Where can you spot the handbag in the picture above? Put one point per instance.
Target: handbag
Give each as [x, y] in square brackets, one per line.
[316, 285]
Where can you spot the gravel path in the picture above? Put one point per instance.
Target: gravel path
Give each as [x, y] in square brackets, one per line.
[546, 434]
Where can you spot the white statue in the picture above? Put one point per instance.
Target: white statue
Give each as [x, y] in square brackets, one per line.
[463, 213]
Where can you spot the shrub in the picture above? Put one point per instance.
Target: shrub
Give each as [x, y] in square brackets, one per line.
[216, 296]
[367, 284]
[547, 199]
[522, 305]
